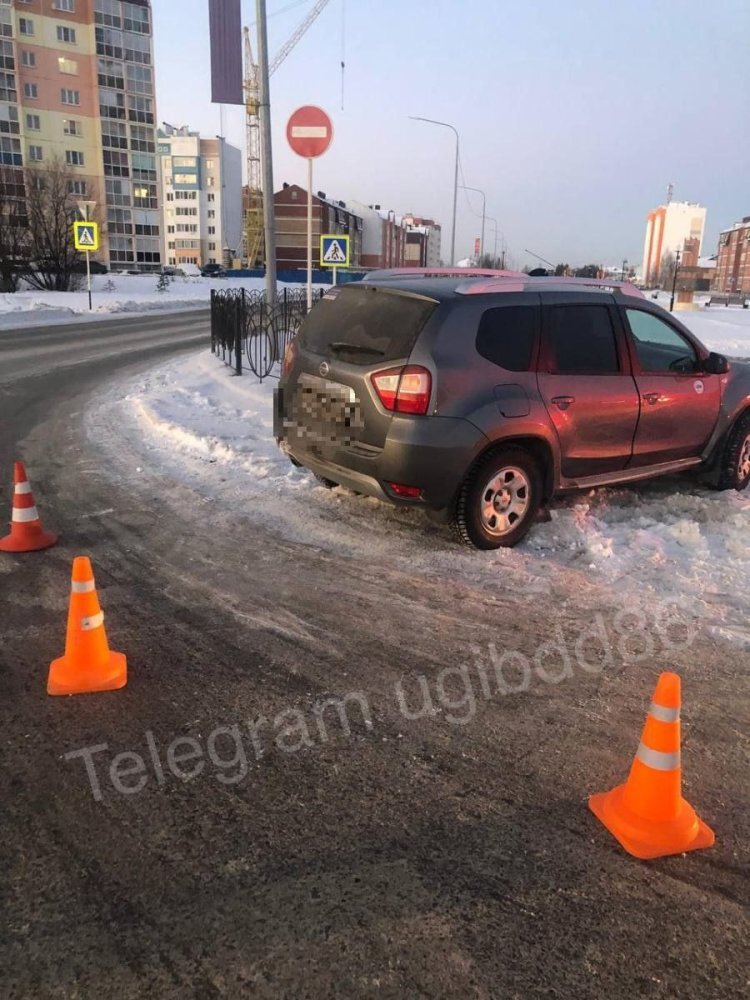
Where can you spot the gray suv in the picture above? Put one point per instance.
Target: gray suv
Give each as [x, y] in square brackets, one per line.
[480, 398]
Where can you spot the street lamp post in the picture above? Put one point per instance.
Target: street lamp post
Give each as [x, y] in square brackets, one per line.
[674, 279]
[391, 224]
[494, 223]
[432, 121]
[465, 187]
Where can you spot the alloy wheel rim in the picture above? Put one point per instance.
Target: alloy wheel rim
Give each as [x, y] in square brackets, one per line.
[743, 466]
[505, 501]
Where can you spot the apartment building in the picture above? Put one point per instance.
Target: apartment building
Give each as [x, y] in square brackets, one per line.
[667, 228]
[423, 239]
[201, 197]
[329, 216]
[733, 262]
[383, 236]
[77, 87]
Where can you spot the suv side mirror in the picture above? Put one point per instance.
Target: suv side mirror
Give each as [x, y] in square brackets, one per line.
[716, 364]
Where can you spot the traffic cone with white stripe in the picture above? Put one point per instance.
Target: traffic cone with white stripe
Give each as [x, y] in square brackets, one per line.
[26, 531]
[88, 664]
[648, 814]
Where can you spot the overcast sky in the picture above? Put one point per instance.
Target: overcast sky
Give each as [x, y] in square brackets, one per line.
[574, 116]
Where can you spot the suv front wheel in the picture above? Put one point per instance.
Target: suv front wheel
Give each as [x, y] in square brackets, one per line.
[735, 465]
[498, 500]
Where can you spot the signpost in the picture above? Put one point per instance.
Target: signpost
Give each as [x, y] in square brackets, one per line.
[86, 238]
[309, 132]
[334, 252]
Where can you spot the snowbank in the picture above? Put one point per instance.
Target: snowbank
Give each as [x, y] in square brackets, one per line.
[667, 540]
[114, 293]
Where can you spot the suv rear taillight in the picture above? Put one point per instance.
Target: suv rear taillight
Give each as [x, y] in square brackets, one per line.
[290, 356]
[404, 390]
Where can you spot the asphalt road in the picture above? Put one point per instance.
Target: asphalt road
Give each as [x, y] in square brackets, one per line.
[450, 855]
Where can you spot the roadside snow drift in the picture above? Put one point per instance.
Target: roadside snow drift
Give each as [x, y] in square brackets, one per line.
[670, 539]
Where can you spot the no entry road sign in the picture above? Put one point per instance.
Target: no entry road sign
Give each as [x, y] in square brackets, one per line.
[309, 131]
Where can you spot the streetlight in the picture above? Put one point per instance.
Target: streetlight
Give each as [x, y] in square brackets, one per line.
[432, 121]
[465, 187]
[674, 279]
[391, 224]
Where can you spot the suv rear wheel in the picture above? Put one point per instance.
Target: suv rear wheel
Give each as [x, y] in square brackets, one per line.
[498, 500]
[735, 463]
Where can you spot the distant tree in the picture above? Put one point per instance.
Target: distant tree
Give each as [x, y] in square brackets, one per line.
[562, 271]
[13, 228]
[589, 271]
[666, 270]
[488, 261]
[53, 263]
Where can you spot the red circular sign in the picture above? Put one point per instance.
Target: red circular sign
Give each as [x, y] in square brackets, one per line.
[309, 131]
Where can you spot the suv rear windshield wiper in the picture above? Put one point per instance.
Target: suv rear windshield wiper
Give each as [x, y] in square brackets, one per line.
[341, 345]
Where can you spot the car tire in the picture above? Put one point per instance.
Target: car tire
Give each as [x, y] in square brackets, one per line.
[327, 483]
[499, 500]
[734, 471]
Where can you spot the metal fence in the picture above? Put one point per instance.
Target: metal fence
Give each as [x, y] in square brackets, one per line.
[248, 332]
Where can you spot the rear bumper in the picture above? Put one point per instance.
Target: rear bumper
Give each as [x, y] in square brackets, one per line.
[431, 453]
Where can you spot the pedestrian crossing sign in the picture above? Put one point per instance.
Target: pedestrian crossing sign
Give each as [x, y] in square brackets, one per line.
[86, 236]
[334, 251]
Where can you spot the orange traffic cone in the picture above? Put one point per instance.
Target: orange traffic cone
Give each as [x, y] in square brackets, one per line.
[26, 532]
[648, 814]
[88, 664]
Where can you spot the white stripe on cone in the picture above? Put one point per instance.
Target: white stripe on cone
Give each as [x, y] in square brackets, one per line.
[22, 488]
[89, 624]
[22, 515]
[82, 588]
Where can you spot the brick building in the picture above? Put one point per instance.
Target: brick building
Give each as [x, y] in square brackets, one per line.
[329, 216]
[422, 242]
[733, 262]
[383, 236]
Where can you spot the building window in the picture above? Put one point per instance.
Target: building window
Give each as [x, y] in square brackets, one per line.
[212, 213]
[36, 154]
[25, 26]
[211, 197]
[66, 34]
[211, 246]
[210, 182]
[72, 97]
[77, 187]
[28, 58]
[10, 152]
[74, 157]
[67, 5]
[33, 123]
[69, 66]
[71, 126]
[212, 230]
[30, 90]
[209, 164]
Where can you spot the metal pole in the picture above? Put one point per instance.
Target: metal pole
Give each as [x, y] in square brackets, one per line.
[432, 121]
[88, 274]
[309, 231]
[264, 115]
[674, 280]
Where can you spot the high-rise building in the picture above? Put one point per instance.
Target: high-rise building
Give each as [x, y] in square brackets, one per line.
[667, 228]
[77, 87]
[733, 262]
[201, 195]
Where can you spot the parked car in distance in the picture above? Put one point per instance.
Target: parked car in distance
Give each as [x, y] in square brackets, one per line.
[480, 399]
[213, 271]
[96, 267]
[181, 270]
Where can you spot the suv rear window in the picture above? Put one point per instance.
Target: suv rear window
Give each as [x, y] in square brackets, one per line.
[363, 325]
[506, 337]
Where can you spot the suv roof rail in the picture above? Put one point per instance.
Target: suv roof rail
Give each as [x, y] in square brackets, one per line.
[524, 282]
[468, 273]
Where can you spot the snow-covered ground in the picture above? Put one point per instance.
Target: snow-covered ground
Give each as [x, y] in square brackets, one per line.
[665, 540]
[114, 293]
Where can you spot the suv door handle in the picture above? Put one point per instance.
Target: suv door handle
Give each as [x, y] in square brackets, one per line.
[651, 397]
[563, 402]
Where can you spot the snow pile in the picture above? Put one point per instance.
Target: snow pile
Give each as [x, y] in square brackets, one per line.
[668, 539]
[115, 293]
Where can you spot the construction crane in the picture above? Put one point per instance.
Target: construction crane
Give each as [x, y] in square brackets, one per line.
[254, 245]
